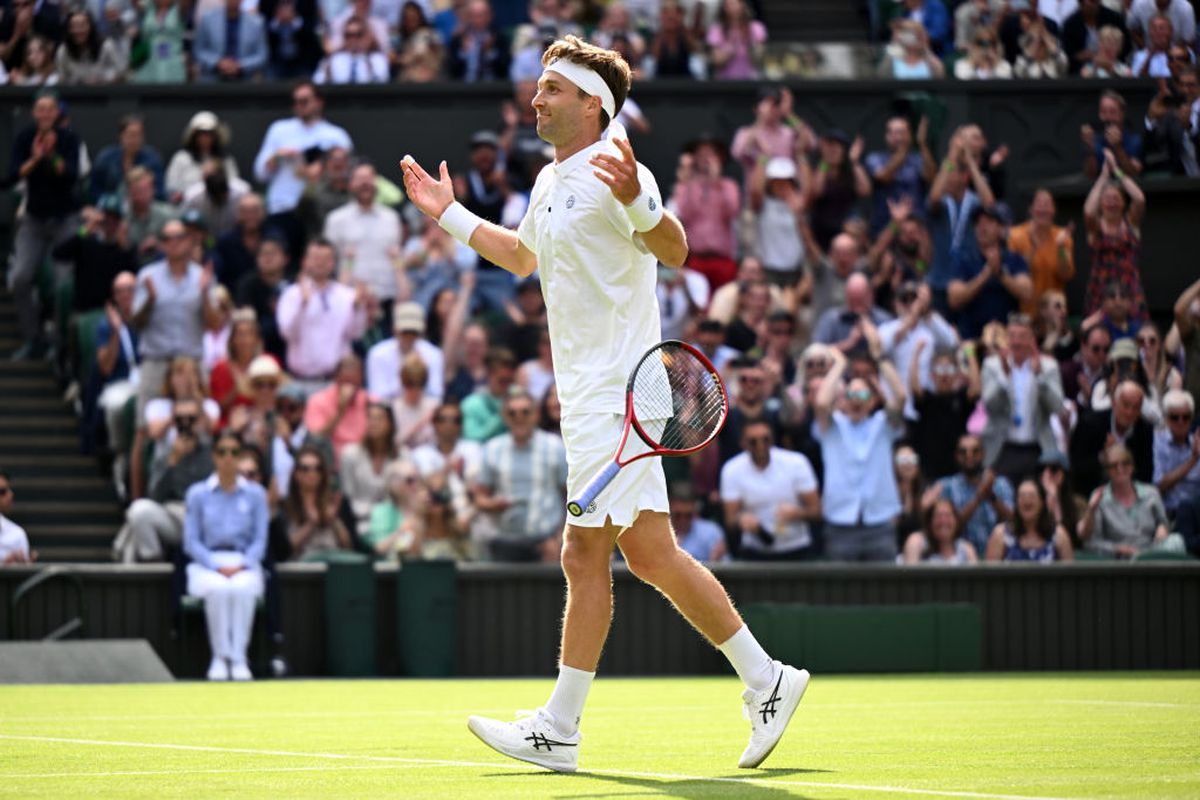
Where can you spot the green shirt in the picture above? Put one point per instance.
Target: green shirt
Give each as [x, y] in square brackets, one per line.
[481, 416]
[385, 519]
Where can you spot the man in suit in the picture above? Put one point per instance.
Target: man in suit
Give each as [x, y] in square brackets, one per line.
[1022, 390]
[230, 45]
[1122, 424]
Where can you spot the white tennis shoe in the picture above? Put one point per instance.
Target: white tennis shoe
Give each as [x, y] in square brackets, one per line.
[769, 711]
[532, 738]
[218, 670]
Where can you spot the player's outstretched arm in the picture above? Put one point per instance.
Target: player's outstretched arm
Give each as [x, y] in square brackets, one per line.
[433, 196]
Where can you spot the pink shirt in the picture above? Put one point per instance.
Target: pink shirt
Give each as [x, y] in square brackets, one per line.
[741, 65]
[322, 407]
[778, 141]
[708, 211]
[319, 333]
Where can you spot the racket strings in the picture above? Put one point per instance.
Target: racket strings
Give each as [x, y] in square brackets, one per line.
[678, 401]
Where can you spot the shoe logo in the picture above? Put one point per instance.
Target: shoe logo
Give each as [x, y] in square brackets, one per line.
[768, 706]
[539, 741]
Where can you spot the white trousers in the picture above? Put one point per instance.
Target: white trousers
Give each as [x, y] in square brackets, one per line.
[148, 527]
[228, 605]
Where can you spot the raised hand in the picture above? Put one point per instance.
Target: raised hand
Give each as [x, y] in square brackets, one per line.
[432, 196]
[619, 174]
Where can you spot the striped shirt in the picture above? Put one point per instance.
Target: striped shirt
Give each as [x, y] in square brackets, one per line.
[533, 478]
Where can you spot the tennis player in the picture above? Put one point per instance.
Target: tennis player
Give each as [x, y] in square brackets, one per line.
[595, 231]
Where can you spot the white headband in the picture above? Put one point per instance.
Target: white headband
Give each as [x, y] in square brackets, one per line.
[587, 80]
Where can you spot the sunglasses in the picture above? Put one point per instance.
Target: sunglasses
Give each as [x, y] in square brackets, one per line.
[520, 412]
[945, 370]
[226, 451]
[754, 440]
[1097, 348]
[308, 467]
[249, 474]
[453, 420]
[859, 394]
[906, 461]
[1179, 416]
[1148, 341]
[815, 364]
[183, 422]
[353, 34]
[749, 379]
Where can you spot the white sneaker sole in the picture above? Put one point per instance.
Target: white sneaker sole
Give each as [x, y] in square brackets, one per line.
[787, 711]
[476, 725]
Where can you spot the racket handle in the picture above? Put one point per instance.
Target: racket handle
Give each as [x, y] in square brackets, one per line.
[602, 479]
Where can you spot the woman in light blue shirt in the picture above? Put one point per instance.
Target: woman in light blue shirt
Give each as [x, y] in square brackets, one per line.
[225, 536]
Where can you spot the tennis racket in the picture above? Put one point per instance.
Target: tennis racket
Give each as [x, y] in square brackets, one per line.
[675, 401]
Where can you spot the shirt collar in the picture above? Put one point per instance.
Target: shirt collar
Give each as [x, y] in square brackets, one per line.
[565, 168]
[213, 483]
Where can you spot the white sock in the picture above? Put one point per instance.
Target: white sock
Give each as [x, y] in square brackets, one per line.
[749, 660]
[566, 702]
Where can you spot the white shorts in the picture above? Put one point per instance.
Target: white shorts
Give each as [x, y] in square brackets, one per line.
[590, 440]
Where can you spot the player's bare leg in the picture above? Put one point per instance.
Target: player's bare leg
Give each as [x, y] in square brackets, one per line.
[587, 616]
[773, 689]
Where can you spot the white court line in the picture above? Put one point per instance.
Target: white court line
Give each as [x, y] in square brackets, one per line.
[766, 782]
[137, 773]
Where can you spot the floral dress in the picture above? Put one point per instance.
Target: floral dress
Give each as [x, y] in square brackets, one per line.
[1115, 258]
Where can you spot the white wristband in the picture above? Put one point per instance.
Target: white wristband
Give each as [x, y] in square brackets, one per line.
[458, 221]
[645, 212]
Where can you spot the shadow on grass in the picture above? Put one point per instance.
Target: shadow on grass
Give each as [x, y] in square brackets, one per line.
[744, 785]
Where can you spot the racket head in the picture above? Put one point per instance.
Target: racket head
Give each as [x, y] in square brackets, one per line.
[677, 402]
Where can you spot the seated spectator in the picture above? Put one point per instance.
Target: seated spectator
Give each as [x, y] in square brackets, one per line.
[1179, 13]
[465, 368]
[225, 538]
[310, 509]
[117, 374]
[236, 252]
[915, 60]
[856, 439]
[1124, 516]
[1177, 452]
[1064, 505]
[1123, 423]
[911, 486]
[707, 205]
[413, 407]
[1107, 61]
[723, 306]
[1151, 61]
[261, 290]
[1162, 376]
[700, 538]
[1031, 535]
[932, 16]
[1080, 32]
[37, 64]
[419, 52]
[1047, 248]
[989, 282]
[749, 323]
[710, 340]
[482, 410]
[1111, 138]
[154, 524]
[1087, 367]
[97, 253]
[1187, 522]
[293, 46]
[1124, 365]
[450, 459]
[396, 525]
[385, 359]
[319, 317]
[941, 414]
[521, 488]
[1114, 314]
[326, 187]
[261, 426]
[110, 169]
[735, 42]
[985, 59]
[436, 262]
[228, 380]
[364, 464]
[911, 339]
[339, 411]
[770, 496]
[1041, 55]
[905, 168]
[855, 324]
[211, 208]
[831, 272]
[939, 542]
[1054, 331]
[24, 23]
[1187, 325]
[752, 401]
[981, 498]
[145, 216]
[536, 375]
[14, 542]
[357, 61]
[230, 45]
[86, 57]
[1113, 215]
[478, 50]
[1022, 391]
[617, 24]
[163, 31]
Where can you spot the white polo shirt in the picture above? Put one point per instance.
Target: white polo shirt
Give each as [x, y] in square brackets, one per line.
[363, 237]
[760, 491]
[12, 539]
[597, 279]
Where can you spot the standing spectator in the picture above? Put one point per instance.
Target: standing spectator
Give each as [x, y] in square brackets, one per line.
[1125, 517]
[358, 61]
[229, 382]
[46, 158]
[1187, 322]
[261, 290]
[1111, 137]
[97, 254]
[117, 373]
[708, 204]
[1179, 13]
[1047, 248]
[1032, 534]
[25, 21]
[751, 403]
[319, 317]
[910, 340]
[385, 359]
[933, 17]
[292, 42]
[522, 485]
[700, 538]
[145, 216]
[1041, 54]
[989, 282]
[1152, 61]
[163, 33]
[856, 324]
[338, 412]
[915, 60]
[1082, 372]
[831, 273]
[958, 190]
[1177, 452]
[204, 138]
[364, 464]
[210, 207]
[171, 311]
[1122, 424]
[310, 509]
[230, 44]
[735, 41]
[778, 205]
[1081, 32]
[225, 537]
[478, 51]
[115, 161]
[899, 171]
[484, 191]
[861, 504]
[768, 136]
[981, 498]
[939, 542]
[674, 51]
[1162, 375]
[1107, 63]
[326, 187]
[14, 542]
[616, 30]
[941, 414]
[287, 145]
[236, 252]
[985, 59]
[749, 324]
[1113, 216]
[85, 57]
[833, 189]
[1022, 391]
[1055, 333]
[482, 410]
[367, 235]
[770, 496]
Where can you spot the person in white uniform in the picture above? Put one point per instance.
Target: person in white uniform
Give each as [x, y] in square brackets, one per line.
[595, 230]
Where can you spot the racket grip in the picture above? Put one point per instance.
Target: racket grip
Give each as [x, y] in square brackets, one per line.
[602, 479]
